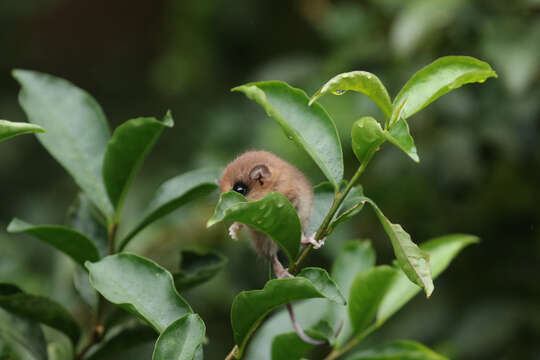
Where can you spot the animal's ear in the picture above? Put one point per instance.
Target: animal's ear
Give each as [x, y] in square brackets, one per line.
[260, 172]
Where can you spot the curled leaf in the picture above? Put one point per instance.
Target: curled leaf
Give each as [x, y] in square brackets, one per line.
[360, 81]
[273, 215]
[309, 126]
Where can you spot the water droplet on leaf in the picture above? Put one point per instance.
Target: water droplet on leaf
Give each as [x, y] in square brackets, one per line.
[339, 92]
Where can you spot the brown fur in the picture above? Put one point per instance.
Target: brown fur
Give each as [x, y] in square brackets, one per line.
[282, 177]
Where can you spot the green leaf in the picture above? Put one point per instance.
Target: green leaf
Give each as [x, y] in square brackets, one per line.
[174, 193]
[438, 78]
[413, 261]
[441, 251]
[400, 136]
[289, 346]
[360, 81]
[355, 257]
[323, 196]
[72, 243]
[350, 207]
[250, 307]
[84, 217]
[10, 129]
[397, 113]
[140, 286]
[77, 130]
[197, 267]
[367, 135]
[181, 339]
[309, 126]
[367, 292]
[20, 338]
[273, 215]
[40, 309]
[397, 350]
[118, 345]
[126, 151]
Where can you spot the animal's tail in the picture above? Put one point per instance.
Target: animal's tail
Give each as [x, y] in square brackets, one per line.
[301, 334]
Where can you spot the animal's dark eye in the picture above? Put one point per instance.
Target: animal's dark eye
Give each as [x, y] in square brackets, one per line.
[240, 187]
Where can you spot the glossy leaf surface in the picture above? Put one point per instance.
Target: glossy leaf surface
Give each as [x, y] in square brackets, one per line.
[401, 137]
[181, 339]
[397, 350]
[289, 345]
[175, 193]
[197, 268]
[323, 196]
[441, 251]
[350, 207]
[413, 261]
[10, 129]
[250, 307]
[70, 242]
[84, 217]
[309, 126]
[360, 81]
[354, 258]
[39, 309]
[273, 215]
[126, 151]
[77, 130]
[366, 293]
[438, 78]
[367, 135]
[140, 286]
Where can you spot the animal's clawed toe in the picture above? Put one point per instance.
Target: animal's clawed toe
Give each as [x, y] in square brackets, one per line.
[306, 240]
[234, 229]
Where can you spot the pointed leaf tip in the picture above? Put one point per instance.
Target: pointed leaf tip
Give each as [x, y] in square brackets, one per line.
[126, 151]
[67, 240]
[168, 120]
[308, 126]
[360, 81]
[53, 102]
[440, 77]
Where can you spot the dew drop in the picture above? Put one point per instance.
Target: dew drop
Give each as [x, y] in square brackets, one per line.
[339, 92]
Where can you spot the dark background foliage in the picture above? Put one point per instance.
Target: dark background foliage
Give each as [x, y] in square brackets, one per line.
[480, 159]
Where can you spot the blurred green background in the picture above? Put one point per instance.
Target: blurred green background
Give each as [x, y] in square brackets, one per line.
[479, 146]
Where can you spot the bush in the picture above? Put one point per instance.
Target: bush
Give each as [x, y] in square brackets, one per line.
[356, 298]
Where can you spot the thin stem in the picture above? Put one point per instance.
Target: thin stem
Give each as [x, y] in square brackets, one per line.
[232, 354]
[321, 234]
[112, 236]
[97, 330]
[338, 200]
[352, 343]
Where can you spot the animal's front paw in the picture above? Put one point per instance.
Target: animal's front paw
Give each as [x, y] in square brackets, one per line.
[234, 229]
[306, 240]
